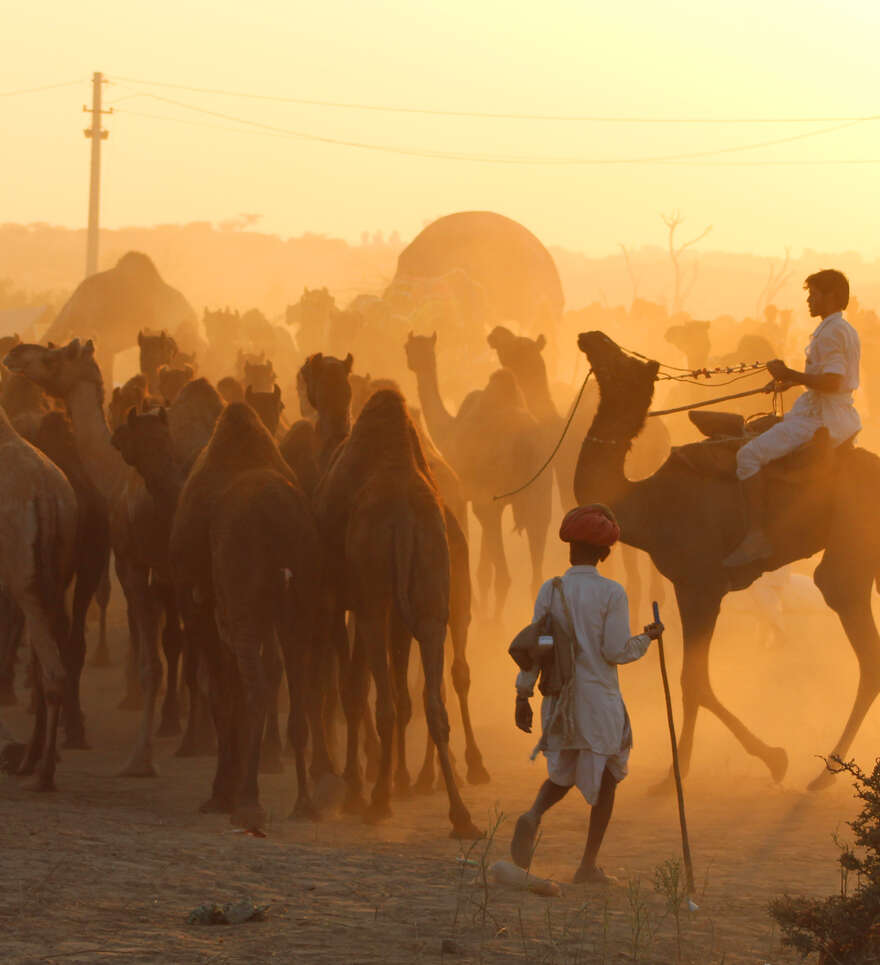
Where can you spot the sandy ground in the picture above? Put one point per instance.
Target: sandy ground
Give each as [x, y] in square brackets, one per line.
[107, 869]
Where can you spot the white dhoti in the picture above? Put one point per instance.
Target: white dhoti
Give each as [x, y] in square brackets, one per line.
[584, 769]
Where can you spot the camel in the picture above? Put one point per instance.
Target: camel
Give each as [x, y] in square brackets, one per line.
[255, 372]
[55, 439]
[381, 514]
[156, 349]
[172, 380]
[71, 373]
[494, 445]
[246, 560]
[524, 357]
[267, 405]
[131, 395]
[112, 306]
[688, 522]
[38, 520]
[230, 389]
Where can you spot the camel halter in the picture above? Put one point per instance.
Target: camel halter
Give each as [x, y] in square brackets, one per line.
[673, 373]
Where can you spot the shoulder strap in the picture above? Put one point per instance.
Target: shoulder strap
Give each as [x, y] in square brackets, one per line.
[557, 584]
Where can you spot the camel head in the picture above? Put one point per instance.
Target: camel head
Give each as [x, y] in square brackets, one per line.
[691, 338]
[230, 389]
[626, 383]
[421, 352]
[520, 354]
[132, 394]
[267, 405]
[156, 349]
[258, 372]
[144, 441]
[56, 369]
[222, 326]
[326, 382]
[172, 380]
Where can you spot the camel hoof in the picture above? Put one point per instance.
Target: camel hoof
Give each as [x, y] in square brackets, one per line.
[11, 757]
[466, 830]
[216, 805]
[328, 791]
[822, 782]
[377, 812]
[249, 816]
[305, 810]
[139, 767]
[778, 763]
[477, 774]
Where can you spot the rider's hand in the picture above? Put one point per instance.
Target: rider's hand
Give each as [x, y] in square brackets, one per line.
[778, 369]
[524, 714]
[654, 630]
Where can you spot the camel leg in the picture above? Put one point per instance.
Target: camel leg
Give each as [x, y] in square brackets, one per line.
[485, 566]
[331, 642]
[354, 703]
[46, 771]
[74, 722]
[225, 699]
[537, 535]
[492, 548]
[133, 697]
[144, 606]
[199, 736]
[431, 641]
[172, 647]
[848, 593]
[101, 656]
[401, 644]
[373, 629]
[270, 755]
[37, 741]
[461, 681]
[12, 629]
[699, 607]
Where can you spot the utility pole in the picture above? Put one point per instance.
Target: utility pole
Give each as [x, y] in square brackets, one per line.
[97, 135]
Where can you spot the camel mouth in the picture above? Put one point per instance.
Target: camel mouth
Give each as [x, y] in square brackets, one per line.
[598, 348]
[12, 363]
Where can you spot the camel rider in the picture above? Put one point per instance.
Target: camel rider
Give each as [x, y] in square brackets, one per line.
[591, 747]
[831, 376]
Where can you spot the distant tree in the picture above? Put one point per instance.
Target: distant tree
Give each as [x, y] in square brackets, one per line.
[776, 281]
[630, 270]
[682, 285]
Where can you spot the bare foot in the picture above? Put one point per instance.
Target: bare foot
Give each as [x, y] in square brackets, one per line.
[466, 830]
[593, 876]
[477, 774]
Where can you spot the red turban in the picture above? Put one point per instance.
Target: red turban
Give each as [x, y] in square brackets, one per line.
[590, 524]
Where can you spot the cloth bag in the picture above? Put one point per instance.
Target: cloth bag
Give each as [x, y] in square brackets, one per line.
[556, 663]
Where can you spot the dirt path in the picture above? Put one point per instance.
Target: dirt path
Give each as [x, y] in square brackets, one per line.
[107, 869]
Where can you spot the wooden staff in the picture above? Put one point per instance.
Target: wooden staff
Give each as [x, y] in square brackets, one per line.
[676, 770]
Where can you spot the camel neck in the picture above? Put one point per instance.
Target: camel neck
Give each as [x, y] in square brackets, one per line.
[536, 389]
[437, 419]
[104, 465]
[332, 429]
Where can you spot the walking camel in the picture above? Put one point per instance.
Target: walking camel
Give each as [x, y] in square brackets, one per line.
[494, 444]
[524, 357]
[380, 508]
[688, 522]
[38, 520]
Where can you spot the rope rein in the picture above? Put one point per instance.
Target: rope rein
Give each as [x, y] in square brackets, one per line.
[549, 459]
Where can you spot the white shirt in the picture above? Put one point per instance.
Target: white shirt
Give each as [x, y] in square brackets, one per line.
[834, 349]
[600, 613]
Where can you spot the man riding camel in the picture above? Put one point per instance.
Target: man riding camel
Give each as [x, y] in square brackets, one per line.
[831, 376]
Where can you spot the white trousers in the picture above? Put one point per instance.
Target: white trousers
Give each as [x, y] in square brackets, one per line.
[794, 431]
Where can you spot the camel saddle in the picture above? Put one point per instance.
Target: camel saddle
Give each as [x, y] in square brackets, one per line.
[727, 432]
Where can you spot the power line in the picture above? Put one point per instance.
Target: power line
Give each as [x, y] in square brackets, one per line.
[458, 156]
[37, 90]
[490, 115]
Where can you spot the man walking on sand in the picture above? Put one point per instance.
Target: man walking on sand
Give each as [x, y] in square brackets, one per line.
[588, 746]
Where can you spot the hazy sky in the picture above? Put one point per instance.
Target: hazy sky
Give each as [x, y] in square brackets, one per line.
[635, 58]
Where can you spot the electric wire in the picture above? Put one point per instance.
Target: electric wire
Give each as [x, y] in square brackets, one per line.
[38, 90]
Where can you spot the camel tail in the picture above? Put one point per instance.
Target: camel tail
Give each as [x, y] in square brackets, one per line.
[404, 556]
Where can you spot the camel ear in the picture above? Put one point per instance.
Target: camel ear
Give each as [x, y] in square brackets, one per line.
[140, 339]
[410, 336]
[348, 363]
[163, 415]
[277, 391]
[131, 417]
[248, 394]
[434, 339]
[89, 348]
[541, 342]
[72, 350]
[51, 345]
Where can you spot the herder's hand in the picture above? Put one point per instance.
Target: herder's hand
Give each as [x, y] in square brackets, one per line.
[524, 714]
[778, 369]
[654, 630]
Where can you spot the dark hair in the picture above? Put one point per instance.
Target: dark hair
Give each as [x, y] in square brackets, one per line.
[587, 554]
[831, 282]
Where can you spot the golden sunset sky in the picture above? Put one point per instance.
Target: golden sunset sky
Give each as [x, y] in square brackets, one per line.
[632, 59]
